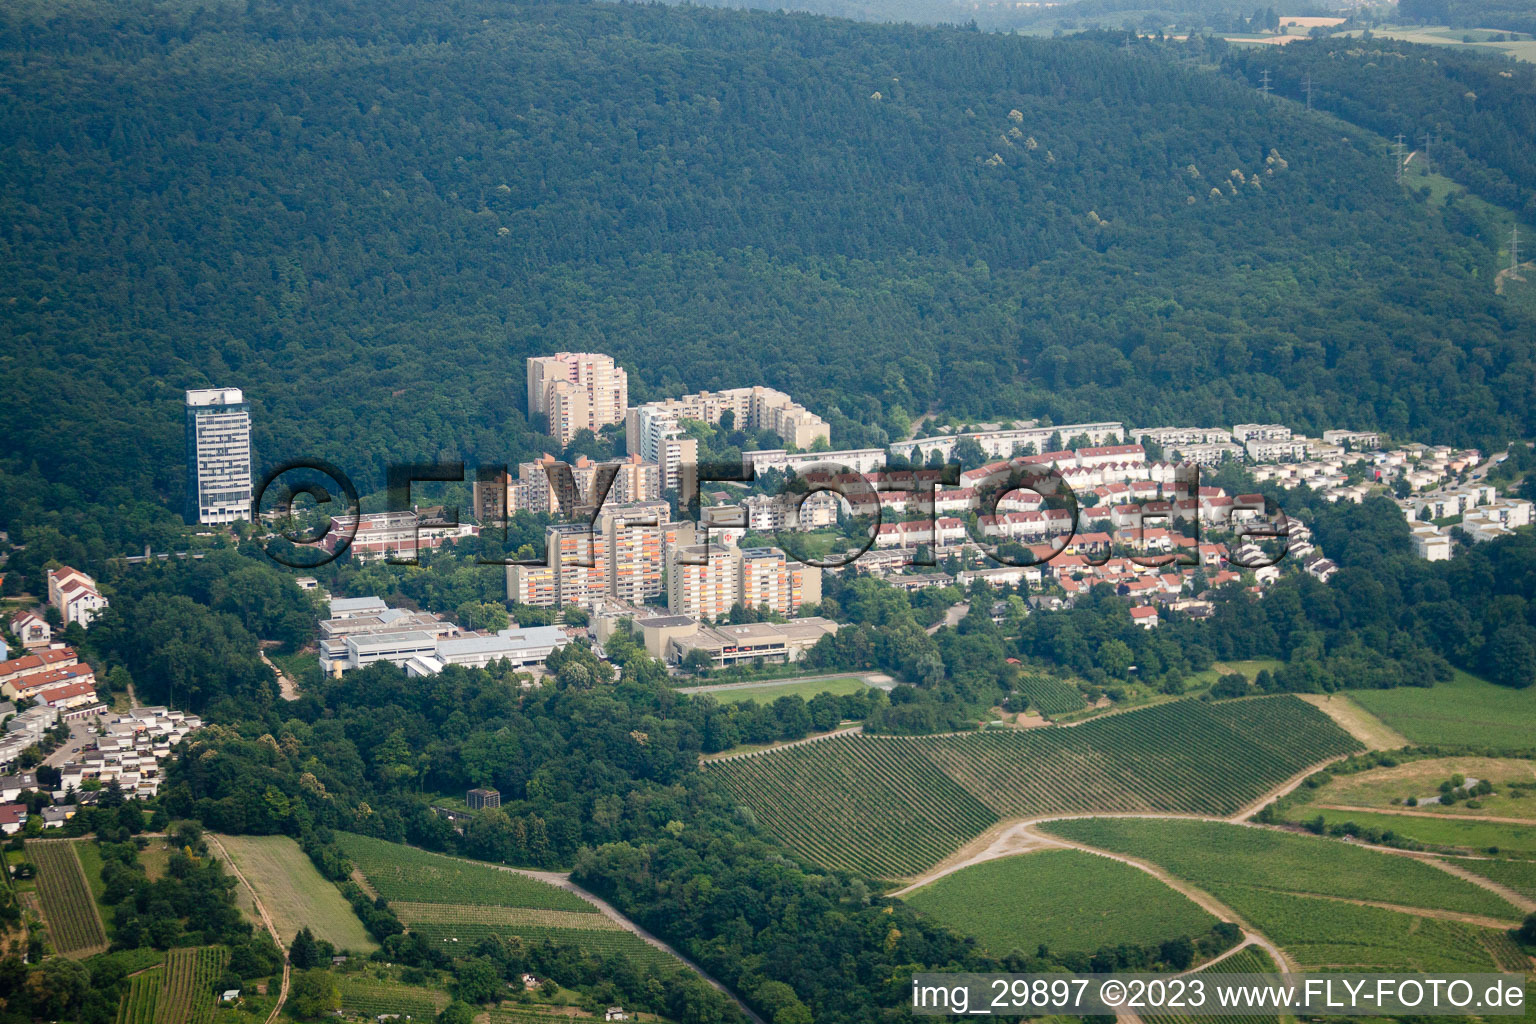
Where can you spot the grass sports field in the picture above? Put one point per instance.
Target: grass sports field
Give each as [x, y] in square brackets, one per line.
[894, 806]
[294, 893]
[416, 876]
[1218, 857]
[1466, 711]
[74, 926]
[1066, 900]
[770, 692]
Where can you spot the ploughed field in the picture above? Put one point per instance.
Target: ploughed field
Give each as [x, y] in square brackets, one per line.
[894, 806]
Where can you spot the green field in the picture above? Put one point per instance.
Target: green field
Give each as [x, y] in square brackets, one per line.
[1464, 712]
[370, 996]
[1519, 875]
[1220, 857]
[768, 693]
[186, 993]
[1249, 960]
[143, 995]
[893, 806]
[1049, 695]
[457, 937]
[405, 873]
[1066, 900]
[74, 925]
[1475, 836]
[294, 893]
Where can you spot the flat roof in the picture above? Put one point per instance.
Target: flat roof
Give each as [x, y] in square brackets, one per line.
[664, 621]
[505, 641]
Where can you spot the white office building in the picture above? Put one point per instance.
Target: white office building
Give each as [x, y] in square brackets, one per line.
[218, 456]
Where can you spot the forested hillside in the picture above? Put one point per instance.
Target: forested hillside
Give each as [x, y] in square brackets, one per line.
[1478, 108]
[367, 215]
[1506, 14]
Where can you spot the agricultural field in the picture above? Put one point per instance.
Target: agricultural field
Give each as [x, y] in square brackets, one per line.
[410, 875]
[893, 806]
[1438, 832]
[74, 925]
[1249, 960]
[863, 804]
[1049, 695]
[1466, 711]
[294, 893]
[1066, 900]
[1519, 875]
[143, 995]
[602, 943]
[1379, 787]
[186, 993]
[370, 996]
[1347, 936]
[1220, 857]
[458, 902]
[767, 693]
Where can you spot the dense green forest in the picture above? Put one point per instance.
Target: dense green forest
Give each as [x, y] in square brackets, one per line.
[366, 216]
[1478, 108]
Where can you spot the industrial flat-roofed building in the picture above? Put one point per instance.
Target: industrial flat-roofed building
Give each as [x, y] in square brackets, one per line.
[768, 641]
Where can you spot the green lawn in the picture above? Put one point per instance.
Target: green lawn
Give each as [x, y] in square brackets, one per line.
[1517, 840]
[294, 893]
[768, 693]
[1066, 900]
[1218, 857]
[1464, 712]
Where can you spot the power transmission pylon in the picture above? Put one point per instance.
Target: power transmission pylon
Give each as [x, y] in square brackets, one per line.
[1308, 87]
[1514, 250]
[1264, 83]
[1397, 153]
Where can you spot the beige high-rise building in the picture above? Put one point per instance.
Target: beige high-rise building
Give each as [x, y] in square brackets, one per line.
[637, 537]
[532, 585]
[767, 578]
[704, 591]
[579, 556]
[573, 391]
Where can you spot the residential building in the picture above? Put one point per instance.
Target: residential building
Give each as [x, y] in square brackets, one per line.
[1002, 444]
[766, 578]
[533, 585]
[575, 391]
[1242, 433]
[578, 553]
[31, 629]
[13, 818]
[751, 409]
[218, 432]
[637, 537]
[75, 596]
[1429, 543]
[395, 535]
[701, 580]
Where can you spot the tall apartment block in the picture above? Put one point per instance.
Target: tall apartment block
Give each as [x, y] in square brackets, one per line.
[638, 537]
[573, 391]
[753, 577]
[654, 431]
[218, 456]
[766, 578]
[704, 591]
